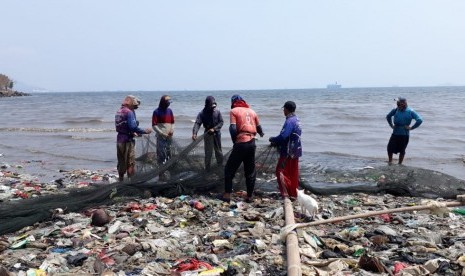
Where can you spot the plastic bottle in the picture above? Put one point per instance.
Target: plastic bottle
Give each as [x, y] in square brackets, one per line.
[459, 211]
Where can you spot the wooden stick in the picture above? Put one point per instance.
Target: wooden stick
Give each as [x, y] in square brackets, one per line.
[292, 244]
[288, 228]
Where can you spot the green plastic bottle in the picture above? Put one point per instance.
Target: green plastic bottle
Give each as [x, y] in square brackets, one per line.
[459, 211]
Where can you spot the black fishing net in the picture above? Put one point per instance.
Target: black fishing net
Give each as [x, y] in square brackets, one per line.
[182, 174]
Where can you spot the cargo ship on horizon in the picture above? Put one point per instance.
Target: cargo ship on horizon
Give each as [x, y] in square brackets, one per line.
[333, 86]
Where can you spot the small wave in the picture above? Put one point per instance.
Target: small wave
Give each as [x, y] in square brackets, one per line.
[185, 117]
[33, 129]
[80, 138]
[84, 121]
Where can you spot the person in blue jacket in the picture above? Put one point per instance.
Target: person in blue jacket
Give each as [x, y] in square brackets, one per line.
[400, 119]
[127, 128]
[290, 149]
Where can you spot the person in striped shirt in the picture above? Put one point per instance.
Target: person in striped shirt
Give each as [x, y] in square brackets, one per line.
[163, 125]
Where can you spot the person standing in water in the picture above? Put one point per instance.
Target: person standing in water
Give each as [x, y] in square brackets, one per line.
[212, 121]
[399, 119]
[127, 127]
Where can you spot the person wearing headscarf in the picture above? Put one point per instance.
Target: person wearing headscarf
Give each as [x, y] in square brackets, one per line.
[163, 125]
[212, 121]
[399, 119]
[127, 128]
[244, 126]
[290, 150]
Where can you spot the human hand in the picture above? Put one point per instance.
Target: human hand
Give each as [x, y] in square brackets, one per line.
[148, 130]
[408, 127]
[194, 137]
[211, 130]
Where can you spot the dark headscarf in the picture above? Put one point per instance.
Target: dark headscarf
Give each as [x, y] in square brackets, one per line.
[164, 102]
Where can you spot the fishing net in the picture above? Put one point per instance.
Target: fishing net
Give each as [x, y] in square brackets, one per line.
[182, 174]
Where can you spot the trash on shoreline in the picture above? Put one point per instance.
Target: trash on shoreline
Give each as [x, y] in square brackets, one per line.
[200, 235]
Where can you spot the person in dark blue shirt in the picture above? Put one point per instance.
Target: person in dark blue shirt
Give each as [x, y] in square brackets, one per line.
[400, 119]
[290, 150]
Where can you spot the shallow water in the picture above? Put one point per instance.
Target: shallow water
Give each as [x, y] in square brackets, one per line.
[76, 130]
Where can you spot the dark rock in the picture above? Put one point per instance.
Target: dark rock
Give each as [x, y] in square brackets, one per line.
[100, 218]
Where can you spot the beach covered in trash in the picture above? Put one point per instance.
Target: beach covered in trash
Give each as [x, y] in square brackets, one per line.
[200, 235]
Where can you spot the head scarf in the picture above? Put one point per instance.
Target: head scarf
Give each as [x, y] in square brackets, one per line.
[210, 104]
[131, 101]
[238, 101]
[401, 103]
[165, 101]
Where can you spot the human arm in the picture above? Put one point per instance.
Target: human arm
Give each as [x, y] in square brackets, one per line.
[171, 121]
[259, 127]
[220, 123]
[283, 135]
[133, 125]
[389, 117]
[197, 124]
[260, 130]
[233, 132]
[418, 120]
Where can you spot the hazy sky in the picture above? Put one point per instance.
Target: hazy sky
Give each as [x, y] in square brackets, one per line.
[94, 45]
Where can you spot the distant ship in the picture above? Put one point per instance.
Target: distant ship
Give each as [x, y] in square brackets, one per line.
[333, 86]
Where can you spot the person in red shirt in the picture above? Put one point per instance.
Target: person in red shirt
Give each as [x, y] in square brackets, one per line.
[163, 125]
[244, 126]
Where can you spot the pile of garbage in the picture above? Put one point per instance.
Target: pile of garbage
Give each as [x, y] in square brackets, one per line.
[201, 235]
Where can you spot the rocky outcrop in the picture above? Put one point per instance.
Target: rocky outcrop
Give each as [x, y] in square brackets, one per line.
[12, 94]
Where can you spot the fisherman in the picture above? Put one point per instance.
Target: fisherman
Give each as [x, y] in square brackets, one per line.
[163, 125]
[127, 127]
[212, 121]
[290, 149]
[403, 116]
[244, 125]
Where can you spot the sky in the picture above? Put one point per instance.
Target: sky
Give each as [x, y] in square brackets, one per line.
[153, 45]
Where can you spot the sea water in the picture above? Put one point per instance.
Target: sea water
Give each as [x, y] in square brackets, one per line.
[66, 130]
